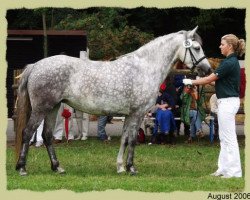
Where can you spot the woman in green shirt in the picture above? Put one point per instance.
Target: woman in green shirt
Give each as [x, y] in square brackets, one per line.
[227, 82]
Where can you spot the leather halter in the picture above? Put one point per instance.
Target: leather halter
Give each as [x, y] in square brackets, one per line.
[187, 45]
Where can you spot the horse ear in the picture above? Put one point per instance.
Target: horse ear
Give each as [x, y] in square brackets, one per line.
[191, 33]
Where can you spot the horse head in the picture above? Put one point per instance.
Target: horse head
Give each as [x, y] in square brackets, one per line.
[191, 53]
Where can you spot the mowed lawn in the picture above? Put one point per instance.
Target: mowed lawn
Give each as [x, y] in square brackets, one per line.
[91, 166]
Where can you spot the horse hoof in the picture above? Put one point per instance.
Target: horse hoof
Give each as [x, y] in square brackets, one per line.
[133, 171]
[61, 170]
[23, 172]
[120, 170]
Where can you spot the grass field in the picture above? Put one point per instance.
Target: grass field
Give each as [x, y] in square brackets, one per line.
[91, 166]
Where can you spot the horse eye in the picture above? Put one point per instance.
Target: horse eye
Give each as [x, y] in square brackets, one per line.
[197, 48]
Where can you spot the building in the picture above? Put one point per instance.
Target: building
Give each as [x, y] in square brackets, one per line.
[26, 47]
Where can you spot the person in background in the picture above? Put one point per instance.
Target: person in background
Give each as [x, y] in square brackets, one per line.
[191, 113]
[64, 116]
[82, 120]
[227, 84]
[37, 136]
[178, 104]
[164, 120]
[101, 132]
[213, 113]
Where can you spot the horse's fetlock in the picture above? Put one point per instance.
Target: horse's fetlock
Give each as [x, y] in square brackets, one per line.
[128, 166]
[20, 164]
[54, 165]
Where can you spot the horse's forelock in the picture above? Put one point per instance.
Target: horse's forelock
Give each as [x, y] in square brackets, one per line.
[196, 36]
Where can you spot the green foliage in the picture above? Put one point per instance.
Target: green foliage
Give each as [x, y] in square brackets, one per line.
[107, 27]
[91, 166]
[108, 34]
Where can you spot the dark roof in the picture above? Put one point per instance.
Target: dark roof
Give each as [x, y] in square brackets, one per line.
[49, 32]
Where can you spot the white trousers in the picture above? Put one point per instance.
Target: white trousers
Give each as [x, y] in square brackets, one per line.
[229, 157]
[82, 120]
[38, 133]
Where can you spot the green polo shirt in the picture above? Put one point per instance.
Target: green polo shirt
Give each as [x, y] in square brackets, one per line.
[228, 72]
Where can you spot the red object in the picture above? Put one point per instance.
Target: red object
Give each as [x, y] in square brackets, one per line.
[163, 86]
[141, 138]
[242, 82]
[66, 114]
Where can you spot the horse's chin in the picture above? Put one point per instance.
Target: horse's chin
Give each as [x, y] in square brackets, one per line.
[201, 73]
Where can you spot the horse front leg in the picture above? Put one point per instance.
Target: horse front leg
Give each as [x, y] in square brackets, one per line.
[134, 127]
[131, 127]
[124, 142]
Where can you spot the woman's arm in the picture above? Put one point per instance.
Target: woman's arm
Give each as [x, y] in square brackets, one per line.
[205, 80]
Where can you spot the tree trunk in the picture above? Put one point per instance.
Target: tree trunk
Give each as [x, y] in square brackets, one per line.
[45, 37]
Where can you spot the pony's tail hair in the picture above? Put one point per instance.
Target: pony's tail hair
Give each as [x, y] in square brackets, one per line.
[23, 108]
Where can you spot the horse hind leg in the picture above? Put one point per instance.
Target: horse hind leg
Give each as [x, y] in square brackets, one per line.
[47, 135]
[33, 123]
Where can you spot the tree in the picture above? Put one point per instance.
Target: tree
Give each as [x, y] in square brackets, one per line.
[108, 34]
[114, 31]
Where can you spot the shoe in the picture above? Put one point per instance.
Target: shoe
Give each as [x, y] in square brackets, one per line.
[84, 137]
[189, 140]
[78, 137]
[109, 138]
[226, 176]
[39, 144]
[56, 141]
[200, 134]
[216, 174]
[103, 137]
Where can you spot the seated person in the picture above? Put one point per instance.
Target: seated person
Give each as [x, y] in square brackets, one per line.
[164, 119]
[177, 112]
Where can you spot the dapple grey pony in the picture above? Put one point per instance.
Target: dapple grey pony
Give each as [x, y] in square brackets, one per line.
[127, 86]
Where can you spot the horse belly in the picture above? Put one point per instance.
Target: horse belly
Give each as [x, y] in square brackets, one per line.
[101, 94]
[103, 106]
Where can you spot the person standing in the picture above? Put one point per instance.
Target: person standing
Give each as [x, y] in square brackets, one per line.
[101, 124]
[213, 113]
[227, 84]
[82, 120]
[37, 136]
[192, 112]
[64, 113]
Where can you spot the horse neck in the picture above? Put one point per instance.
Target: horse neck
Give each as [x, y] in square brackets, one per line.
[160, 55]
